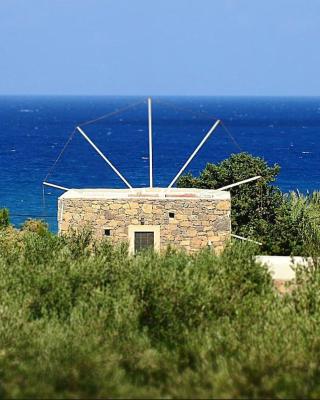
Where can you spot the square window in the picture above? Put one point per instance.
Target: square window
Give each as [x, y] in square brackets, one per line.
[171, 214]
[107, 232]
[144, 236]
[143, 240]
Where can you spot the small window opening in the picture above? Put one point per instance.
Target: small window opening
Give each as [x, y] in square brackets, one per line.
[171, 214]
[107, 232]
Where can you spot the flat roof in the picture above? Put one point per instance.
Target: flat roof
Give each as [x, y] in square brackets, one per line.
[146, 193]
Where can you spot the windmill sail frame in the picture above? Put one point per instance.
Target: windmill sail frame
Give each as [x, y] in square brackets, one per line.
[80, 130]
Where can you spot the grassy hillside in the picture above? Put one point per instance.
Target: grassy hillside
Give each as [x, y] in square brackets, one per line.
[86, 320]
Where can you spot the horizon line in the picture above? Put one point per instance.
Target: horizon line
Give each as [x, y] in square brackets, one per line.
[154, 95]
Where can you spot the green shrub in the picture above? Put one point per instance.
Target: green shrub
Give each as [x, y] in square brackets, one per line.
[4, 218]
[86, 320]
[296, 227]
[35, 225]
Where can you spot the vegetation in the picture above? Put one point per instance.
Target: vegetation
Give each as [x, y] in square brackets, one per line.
[4, 218]
[81, 319]
[295, 230]
[285, 224]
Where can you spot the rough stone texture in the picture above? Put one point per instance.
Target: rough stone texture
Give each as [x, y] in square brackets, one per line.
[197, 222]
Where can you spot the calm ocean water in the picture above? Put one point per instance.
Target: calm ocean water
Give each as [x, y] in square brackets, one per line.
[34, 130]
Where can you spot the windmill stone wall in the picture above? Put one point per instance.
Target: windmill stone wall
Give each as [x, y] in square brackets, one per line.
[182, 218]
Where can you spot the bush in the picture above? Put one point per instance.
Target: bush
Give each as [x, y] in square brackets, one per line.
[36, 226]
[4, 218]
[97, 322]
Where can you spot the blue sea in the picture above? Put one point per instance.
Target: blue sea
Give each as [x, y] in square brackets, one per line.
[34, 131]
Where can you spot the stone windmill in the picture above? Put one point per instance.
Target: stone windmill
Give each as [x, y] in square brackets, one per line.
[150, 217]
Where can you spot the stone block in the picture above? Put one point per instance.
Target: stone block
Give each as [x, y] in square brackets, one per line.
[147, 208]
[223, 205]
[222, 224]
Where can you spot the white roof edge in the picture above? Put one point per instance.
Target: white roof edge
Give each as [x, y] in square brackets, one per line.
[147, 193]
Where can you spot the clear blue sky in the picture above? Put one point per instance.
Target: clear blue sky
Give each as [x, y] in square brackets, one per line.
[164, 47]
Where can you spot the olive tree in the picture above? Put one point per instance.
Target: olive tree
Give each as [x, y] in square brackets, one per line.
[254, 204]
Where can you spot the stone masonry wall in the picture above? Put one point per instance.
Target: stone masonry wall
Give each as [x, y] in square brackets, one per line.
[196, 222]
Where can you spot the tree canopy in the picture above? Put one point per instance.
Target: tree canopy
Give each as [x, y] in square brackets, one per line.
[259, 210]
